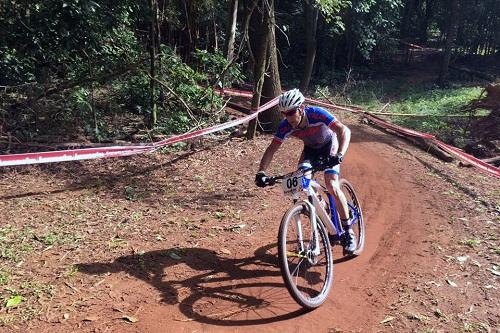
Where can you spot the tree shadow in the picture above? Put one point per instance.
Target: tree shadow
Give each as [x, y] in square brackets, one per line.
[82, 175]
[228, 292]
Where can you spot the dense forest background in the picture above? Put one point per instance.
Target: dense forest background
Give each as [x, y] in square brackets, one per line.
[105, 71]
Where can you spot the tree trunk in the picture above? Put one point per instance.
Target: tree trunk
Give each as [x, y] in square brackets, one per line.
[152, 119]
[271, 118]
[189, 30]
[426, 13]
[406, 19]
[231, 30]
[260, 66]
[450, 40]
[333, 64]
[252, 26]
[311, 14]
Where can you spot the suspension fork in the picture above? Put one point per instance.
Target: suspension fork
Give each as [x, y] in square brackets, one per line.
[300, 237]
[314, 223]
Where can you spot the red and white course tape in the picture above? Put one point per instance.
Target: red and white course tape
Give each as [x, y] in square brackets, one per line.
[120, 151]
[485, 167]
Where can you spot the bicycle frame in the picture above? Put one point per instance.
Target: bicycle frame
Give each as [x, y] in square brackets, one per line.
[331, 221]
[309, 231]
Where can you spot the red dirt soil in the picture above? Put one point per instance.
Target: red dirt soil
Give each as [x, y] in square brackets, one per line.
[186, 243]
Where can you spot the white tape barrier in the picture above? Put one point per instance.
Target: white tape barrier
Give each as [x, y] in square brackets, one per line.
[120, 151]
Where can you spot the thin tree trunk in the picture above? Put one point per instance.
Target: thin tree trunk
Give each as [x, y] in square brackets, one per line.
[151, 121]
[426, 16]
[405, 21]
[334, 57]
[251, 32]
[261, 56]
[231, 30]
[272, 83]
[189, 27]
[311, 14]
[450, 40]
[158, 41]
[216, 44]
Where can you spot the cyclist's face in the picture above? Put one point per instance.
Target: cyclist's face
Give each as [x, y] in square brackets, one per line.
[293, 116]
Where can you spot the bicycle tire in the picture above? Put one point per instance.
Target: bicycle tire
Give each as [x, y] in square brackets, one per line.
[359, 224]
[291, 278]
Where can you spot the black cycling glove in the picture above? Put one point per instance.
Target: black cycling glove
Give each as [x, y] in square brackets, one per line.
[260, 179]
[335, 159]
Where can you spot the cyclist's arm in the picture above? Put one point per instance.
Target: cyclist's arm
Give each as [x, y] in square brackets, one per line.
[268, 155]
[343, 134]
[302, 155]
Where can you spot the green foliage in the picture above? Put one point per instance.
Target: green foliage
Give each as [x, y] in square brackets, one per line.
[331, 9]
[437, 102]
[421, 99]
[217, 68]
[188, 86]
[44, 40]
[372, 22]
[4, 277]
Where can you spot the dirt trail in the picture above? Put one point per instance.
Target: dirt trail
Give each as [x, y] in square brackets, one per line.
[191, 281]
[362, 286]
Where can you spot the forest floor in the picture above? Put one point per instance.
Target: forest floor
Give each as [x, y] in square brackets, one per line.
[185, 242]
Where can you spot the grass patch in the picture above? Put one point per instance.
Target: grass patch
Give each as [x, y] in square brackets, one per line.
[24, 302]
[4, 278]
[421, 98]
[471, 242]
[15, 243]
[70, 271]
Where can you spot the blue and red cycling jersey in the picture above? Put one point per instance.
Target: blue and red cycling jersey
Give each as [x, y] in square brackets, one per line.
[316, 134]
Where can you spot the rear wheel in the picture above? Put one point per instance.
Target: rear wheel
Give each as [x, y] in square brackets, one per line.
[358, 225]
[306, 269]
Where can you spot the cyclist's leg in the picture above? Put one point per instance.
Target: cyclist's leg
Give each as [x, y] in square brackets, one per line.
[333, 186]
[332, 181]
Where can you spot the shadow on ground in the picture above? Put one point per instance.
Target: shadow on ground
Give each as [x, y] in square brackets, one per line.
[227, 292]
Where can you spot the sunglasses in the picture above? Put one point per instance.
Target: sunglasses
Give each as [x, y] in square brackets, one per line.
[290, 112]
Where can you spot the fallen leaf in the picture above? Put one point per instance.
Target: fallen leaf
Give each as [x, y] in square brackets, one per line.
[13, 301]
[387, 319]
[495, 272]
[130, 319]
[225, 251]
[451, 283]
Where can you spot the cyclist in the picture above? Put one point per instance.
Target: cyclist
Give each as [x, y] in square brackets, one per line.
[324, 137]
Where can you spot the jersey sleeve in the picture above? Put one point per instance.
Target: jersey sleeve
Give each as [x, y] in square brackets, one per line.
[318, 114]
[282, 132]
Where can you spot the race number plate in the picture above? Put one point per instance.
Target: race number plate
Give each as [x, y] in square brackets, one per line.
[292, 183]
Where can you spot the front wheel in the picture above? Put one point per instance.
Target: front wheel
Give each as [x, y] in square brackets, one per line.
[307, 270]
[358, 223]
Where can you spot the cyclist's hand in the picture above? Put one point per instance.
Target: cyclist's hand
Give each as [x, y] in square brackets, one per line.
[340, 158]
[261, 179]
[335, 159]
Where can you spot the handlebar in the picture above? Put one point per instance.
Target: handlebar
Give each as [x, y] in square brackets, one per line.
[319, 165]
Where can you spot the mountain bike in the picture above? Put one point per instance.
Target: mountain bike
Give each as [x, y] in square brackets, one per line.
[308, 231]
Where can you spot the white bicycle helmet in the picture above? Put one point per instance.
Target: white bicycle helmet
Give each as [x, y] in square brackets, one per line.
[290, 100]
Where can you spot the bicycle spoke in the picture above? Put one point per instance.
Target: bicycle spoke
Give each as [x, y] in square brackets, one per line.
[308, 276]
